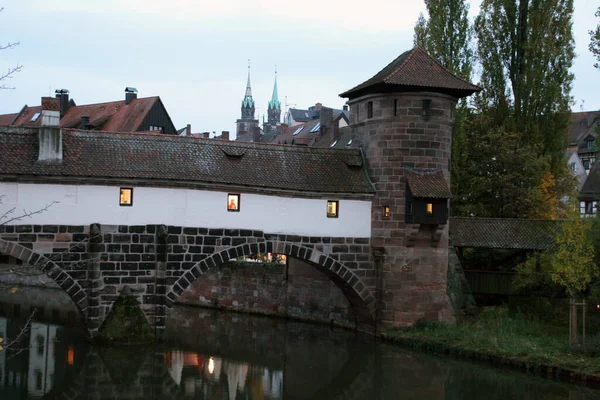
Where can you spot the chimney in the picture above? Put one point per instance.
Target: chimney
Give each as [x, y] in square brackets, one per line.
[63, 96]
[283, 126]
[50, 111]
[255, 134]
[85, 122]
[188, 130]
[225, 135]
[130, 94]
[206, 135]
[318, 106]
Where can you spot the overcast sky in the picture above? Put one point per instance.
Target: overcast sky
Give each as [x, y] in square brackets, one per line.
[193, 53]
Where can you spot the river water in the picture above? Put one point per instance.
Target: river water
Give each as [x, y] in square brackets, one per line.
[213, 355]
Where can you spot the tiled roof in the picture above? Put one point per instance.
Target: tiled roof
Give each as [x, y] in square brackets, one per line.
[303, 115]
[582, 125]
[427, 183]
[114, 116]
[503, 233]
[6, 119]
[125, 156]
[591, 187]
[416, 68]
[304, 136]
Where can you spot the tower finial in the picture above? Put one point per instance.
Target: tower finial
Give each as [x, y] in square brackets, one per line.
[248, 87]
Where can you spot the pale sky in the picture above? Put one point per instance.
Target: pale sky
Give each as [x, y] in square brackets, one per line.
[193, 53]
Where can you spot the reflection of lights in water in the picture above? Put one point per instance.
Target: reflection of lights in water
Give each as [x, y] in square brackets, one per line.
[71, 354]
[211, 365]
[598, 306]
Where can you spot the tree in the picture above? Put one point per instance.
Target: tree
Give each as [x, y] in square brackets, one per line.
[447, 36]
[595, 41]
[11, 70]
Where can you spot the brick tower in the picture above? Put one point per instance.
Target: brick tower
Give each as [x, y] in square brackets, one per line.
[402, 118]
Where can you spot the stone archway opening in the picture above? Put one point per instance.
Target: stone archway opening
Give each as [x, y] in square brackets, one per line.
[311, 285]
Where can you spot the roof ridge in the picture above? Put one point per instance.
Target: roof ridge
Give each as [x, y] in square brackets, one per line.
[412, 52]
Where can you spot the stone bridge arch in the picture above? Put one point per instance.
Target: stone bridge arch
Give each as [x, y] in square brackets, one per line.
[355, 287]
[51, 269]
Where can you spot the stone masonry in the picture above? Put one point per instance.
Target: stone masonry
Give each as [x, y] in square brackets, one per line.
[94, 263]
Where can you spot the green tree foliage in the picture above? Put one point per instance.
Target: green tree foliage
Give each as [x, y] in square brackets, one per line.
[573, 260]
[595, 41]
[447, 36]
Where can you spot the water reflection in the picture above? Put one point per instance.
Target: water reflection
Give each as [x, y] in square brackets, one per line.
[204, 377]
[215, 356]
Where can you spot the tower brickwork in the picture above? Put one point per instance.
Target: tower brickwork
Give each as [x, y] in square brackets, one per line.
[403, 118]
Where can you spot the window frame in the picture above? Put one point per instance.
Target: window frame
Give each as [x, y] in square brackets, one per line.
[386, 211]
[370, 109]
[121, 189]
[426, 109]
[238, 197]
[337, 209]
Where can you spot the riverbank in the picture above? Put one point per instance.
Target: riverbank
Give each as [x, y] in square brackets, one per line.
[515, 341]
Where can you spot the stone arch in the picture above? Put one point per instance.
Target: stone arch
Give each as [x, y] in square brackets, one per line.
[50, 268]
[351, 285]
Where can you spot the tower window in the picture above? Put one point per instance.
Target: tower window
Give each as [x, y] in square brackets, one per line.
[233, 202]
[386, 211]
[357, 112]
[426, 113]
[370, 109]
[332, 209]
[429, 208]
[126, 197]
[395, 107]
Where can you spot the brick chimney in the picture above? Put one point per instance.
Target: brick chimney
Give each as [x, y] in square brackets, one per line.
[50, 111]
[225, 135]
[188, 130]
[325, 119]
[255, 134]
[206, 135]
[318, 106]
[85, 122]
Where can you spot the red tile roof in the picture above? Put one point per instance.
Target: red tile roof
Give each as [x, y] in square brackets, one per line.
[427, 183]
[188, 161]
[415, 68]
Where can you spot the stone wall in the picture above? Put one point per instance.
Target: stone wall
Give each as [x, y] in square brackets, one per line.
[295, 289]
[396, 135]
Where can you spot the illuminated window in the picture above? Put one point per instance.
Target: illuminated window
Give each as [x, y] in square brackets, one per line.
[71, 354]
[126, 197]
[332, 209]
[386, 211]
[426, 113]
[233, 202]
[429, 208]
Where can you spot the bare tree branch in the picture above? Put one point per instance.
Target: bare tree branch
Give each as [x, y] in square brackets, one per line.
[11, 70]
[7, 217]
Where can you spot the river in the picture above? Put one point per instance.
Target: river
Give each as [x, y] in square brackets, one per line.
[213, 355]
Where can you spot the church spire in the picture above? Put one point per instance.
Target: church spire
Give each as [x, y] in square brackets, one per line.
[248, 101]
[274, 103]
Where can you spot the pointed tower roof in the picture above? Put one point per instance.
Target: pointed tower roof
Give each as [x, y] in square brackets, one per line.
[248, 100]
[414, 70]
[274, 103]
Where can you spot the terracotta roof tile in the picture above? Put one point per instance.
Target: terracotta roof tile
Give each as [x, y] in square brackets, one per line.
[503, 233]
[416, 68]
[121, 156]
[427, 183]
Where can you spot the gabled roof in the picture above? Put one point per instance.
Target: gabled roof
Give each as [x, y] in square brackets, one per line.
[186, 161]
[503, 233]
[300, 115]
[591, 187]
[582, 125]
[427, 183]
[115, 116]
[414, 69]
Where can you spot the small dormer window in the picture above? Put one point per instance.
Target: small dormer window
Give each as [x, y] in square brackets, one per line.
[332, 208]
[370, 109]
[35, 117]
[126, 197]
[590, 144]
[426, 112]
[156, 128]
[233, 202]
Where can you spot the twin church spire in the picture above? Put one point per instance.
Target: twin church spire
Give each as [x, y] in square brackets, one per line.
[273, 109]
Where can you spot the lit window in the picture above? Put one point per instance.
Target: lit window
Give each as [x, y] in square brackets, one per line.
[71, 354]
[370, 109]
[233, 202]
[35, 117]
[429, 208]
[332, 209]
[426, 113]
[126, 197]
[386, 211]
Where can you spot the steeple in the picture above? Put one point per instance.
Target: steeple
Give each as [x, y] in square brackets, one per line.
[274, 103]
[248, 101]
[274, 109]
